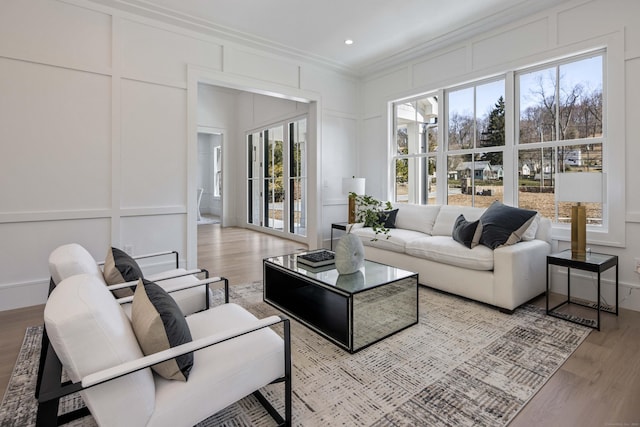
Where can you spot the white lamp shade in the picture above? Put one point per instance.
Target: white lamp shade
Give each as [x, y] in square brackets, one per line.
[583, 187]
[353, 185]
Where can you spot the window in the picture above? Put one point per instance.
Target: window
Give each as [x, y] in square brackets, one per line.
[560, 129]
[490, 150]
[475, 141]
[276, 181]
[416, 146]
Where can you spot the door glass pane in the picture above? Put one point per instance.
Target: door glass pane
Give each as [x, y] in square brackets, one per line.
[254, 178]
[297, 177]
[274, 184]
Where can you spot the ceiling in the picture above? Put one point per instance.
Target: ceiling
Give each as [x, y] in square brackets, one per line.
[383, 31]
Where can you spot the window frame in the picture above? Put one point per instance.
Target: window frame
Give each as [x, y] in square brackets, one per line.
[611, 46]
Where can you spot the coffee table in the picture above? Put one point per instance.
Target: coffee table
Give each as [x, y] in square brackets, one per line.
[352, 311]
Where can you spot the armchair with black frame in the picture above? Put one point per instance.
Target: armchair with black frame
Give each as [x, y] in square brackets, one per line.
[93, 340]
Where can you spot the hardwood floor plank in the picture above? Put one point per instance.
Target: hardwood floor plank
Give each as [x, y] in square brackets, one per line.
[598, 385]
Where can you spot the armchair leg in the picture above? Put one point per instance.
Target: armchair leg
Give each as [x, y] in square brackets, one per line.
[286, 421]
[287, 372]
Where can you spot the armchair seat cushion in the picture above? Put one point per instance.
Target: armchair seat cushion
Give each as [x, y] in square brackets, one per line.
[252, 361]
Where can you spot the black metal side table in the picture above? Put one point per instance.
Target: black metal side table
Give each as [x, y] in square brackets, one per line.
[338, 226]
[594, 262]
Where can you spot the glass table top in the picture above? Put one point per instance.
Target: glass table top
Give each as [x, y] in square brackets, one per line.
[371, 275]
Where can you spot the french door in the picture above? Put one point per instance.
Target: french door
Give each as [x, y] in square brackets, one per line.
[277, 168]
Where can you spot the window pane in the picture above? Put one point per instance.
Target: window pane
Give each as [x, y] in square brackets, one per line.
[416, 180]
[536, 181]
[401, 181]
[581, 99]
[538, 106]
[417, 126]
[476, 182]
[460, 180]
[461, 119]
[490, 114]
[488, 179]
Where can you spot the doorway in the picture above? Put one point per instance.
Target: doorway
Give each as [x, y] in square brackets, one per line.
[210, 175]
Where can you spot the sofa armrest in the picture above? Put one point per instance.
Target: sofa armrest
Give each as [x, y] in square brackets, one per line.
[519, 272]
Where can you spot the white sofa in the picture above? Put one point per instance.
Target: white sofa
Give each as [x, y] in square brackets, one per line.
[422, 242]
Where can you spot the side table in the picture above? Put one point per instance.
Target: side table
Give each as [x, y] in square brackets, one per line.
[593, 262]
[338, 226]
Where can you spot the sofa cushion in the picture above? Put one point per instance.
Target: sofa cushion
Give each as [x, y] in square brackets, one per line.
[445, 250]
[448, 215]
[70, 260]
[467, 232]
[504, 225]
[159, 325]
[90, 332]
[119, 267]
[416, 217]
[396, 241]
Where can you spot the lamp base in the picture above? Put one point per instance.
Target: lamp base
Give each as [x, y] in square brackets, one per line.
[579, 232]
[352, 209]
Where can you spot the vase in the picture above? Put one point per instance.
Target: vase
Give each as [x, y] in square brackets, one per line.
[349, 255]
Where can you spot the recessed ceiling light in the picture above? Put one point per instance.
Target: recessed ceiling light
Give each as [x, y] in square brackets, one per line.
[348, 42]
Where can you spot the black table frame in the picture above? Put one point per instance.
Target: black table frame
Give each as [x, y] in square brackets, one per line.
[564, 259]
[336, 322]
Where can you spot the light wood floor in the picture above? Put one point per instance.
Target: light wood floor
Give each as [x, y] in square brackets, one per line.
[598, 386]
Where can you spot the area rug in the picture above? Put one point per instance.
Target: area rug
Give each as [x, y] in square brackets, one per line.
[463, 364]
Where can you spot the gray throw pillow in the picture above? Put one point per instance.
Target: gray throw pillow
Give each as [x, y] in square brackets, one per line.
[159, 325]
[504, 225]
[119, 267]
[467, 232]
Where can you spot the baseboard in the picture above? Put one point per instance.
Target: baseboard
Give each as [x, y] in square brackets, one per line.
[26, 294]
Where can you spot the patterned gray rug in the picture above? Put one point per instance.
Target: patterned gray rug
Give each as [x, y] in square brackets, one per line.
[463, 364]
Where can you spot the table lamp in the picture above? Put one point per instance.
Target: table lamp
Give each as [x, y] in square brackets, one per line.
[352, 186]
[579, 187]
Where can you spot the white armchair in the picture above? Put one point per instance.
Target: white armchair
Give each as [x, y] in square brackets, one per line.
[92, 338]
[71, 259]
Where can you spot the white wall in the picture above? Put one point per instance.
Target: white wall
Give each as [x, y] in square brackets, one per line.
[96, 124]
[569, 29]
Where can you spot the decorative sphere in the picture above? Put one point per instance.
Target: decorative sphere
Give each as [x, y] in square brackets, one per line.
[349, 254]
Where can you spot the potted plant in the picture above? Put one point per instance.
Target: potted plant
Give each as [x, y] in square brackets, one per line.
[373, 213]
